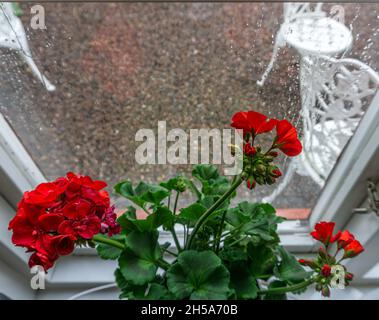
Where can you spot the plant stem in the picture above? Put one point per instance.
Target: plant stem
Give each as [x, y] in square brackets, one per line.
[174, 236]
[206, 214]
[238, 240]
[162, 264]
[106, 240]
[294, 287]
[170, 252]
[194, 189]
[176, 201]
[221, 227]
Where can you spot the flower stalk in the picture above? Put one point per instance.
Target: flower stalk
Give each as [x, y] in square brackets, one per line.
[99, 238]
[286, 289]
[213, 208]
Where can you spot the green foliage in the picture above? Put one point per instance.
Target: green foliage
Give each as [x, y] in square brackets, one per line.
[191, 213]
[178, 184]
[144, 193]
[233, 249]
[198, 275]
[160, 216]
[108, 252]
[289, 269]
[138, 262]
[212, 182]
[242, 280]
[256, 220]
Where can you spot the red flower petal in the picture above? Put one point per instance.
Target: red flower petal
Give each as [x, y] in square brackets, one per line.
[287, 139]
[353, 249]
[252, 122]
[50, 221]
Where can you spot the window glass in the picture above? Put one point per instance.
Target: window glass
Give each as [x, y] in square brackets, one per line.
[121, 67]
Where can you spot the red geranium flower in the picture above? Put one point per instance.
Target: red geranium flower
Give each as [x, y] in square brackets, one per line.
[56, 215]
[286, 139]
[324, 232]
[40, 259]
[344, 238]
[353, 249]
[252, 122]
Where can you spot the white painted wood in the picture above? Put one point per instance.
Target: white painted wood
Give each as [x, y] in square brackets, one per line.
[346, 186]
[18, 171]
[13, 284]
[14, 256]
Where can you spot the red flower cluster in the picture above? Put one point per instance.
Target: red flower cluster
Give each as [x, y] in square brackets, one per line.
[257, 164]
[56, 215]
[254, 123]
[325, 261]
[345, 240]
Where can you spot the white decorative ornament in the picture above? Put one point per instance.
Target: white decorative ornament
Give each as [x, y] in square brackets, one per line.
[307, 29]
[335, 94]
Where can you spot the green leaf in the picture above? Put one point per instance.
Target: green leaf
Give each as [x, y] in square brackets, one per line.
[212, 182]
[192, 213]
[128, 290]
[142, 194]
[120, 280]
[157, 292]
[108, 252]
[289, 269]
[151, 291]
[242, 280]
[127, 218]
[205, 172]
[257, 220]
[263, 259]
[198, 275]
[138, 261]
[177, 183]
[232, 254]
[161, 216]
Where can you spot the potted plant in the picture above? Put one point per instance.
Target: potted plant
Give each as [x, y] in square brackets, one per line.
[227, 252]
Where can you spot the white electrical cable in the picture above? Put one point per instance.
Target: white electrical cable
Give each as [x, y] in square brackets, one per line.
[83, 293]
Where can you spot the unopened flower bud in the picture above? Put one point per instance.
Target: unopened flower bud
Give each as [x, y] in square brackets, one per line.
[326, 270]
[308, 263]
[273, 154]
[260, 180]
[274, 171]
[250, 183]
[349, 276]
[181, 184]
[261, 168]
[325, 291]
[249, 150]
[270, 180]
